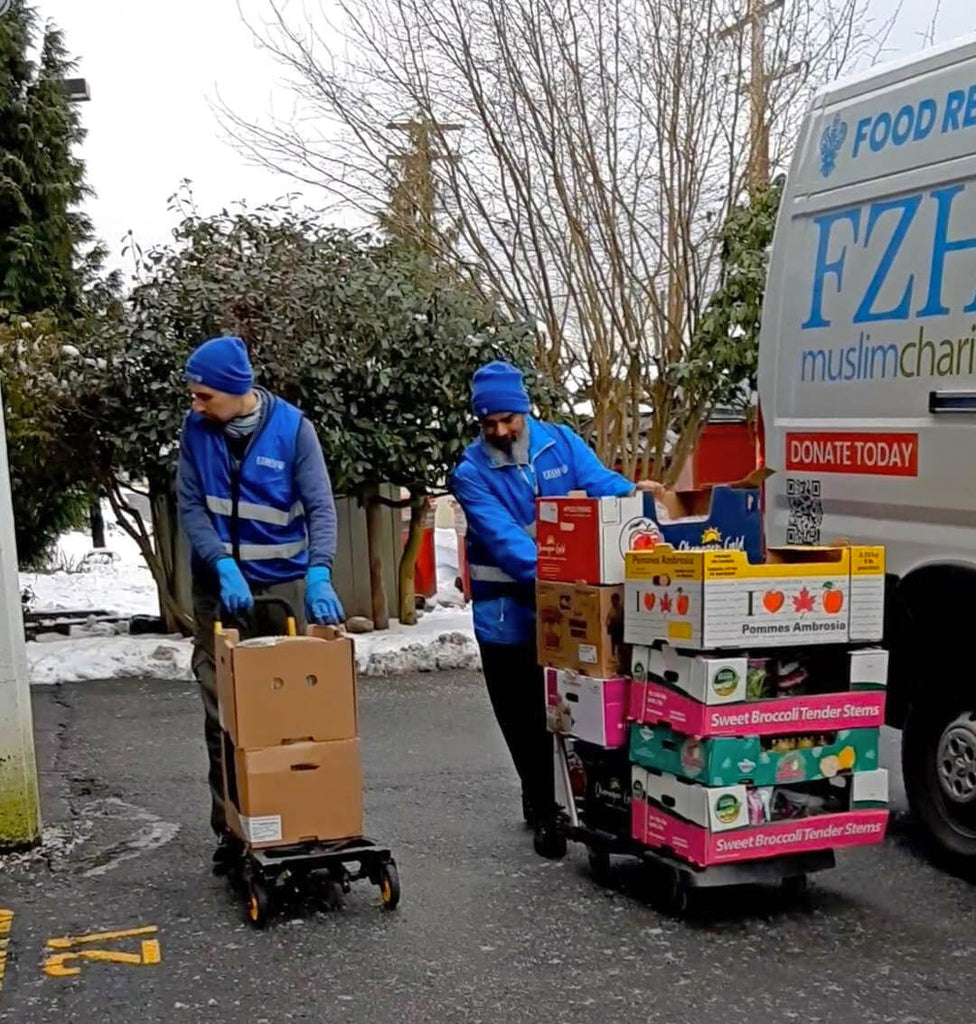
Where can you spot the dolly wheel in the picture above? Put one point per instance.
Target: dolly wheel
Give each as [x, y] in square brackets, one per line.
[258, 904]
[795, 888]
[669, 891]
[390, 885]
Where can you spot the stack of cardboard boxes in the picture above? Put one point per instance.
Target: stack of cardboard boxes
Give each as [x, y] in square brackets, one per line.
[753, 691]
[292, 768]
[582, 644]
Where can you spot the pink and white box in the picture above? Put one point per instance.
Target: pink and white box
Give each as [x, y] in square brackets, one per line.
[696, 842]
[651, 703]
[592, 710]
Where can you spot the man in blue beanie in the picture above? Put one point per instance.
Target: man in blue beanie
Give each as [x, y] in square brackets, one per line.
[516, 460]
[256, 505]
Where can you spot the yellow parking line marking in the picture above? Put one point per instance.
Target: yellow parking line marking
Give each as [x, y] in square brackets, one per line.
[6, 925]
[68, 963]
[77, 940]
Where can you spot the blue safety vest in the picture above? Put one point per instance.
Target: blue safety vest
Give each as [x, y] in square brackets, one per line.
[255, 507]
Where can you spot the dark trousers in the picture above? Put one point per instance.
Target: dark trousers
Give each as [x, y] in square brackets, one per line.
[516, 689]
[266, 620]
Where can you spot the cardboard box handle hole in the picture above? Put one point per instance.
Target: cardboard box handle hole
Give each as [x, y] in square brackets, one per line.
[311, 680]
[304, 767]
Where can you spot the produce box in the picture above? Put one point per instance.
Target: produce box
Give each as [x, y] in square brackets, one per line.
[739, 677]
[581, 627]
[712, 600]
[760, 761]
[284, 689]
[724, 517]
[708, 826]
[593, 710]
[584, 540]
[711, 680]
[605, 805]
[294, 792]
[652, 702]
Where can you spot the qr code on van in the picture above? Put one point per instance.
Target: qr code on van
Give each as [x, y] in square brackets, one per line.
[806, 511]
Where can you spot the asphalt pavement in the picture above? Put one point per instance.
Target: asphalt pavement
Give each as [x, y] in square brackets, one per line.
[486, 932]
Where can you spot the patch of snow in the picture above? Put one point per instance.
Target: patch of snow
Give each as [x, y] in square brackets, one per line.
[121, 657]
[443, 639]
[445, 547]
[115, 578]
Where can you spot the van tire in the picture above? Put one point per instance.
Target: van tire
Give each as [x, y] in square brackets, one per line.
[949, 824]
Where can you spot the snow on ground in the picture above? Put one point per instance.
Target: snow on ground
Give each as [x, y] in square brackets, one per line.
[114, 657]
[121, 584]
[115, 580]
[443, 639]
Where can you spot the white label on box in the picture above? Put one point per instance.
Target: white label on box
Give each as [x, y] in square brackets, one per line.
[610, 511]
[265, 829]
[548, 512]
[870, 787]
[867, 607]
[587, 654]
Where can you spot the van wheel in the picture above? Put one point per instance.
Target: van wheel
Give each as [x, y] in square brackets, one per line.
[939, 764]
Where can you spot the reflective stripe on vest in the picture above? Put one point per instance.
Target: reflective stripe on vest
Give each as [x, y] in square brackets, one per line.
[263, 552]
[489, 574]
[257, 513]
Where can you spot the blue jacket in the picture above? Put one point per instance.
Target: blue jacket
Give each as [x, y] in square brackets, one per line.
[274, 512]
[498, 498]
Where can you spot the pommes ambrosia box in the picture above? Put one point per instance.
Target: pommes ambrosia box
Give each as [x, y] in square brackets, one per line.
[711, 600]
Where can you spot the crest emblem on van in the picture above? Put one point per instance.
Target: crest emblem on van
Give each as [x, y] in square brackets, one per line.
[830, 145]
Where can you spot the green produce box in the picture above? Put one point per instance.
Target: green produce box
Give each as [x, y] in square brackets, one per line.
[762, 761]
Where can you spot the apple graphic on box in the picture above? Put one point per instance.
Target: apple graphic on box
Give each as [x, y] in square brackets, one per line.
[643, 540]
[649, 600]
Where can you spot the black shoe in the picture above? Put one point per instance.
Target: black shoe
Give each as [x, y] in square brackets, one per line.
[550, 839]
[229, 851]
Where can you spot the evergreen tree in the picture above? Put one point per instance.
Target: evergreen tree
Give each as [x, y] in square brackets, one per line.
[45, 239]
[51, 282]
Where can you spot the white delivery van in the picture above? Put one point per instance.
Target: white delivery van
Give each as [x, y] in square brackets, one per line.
[867, 388]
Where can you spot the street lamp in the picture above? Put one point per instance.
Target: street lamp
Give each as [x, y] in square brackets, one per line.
[76, 89]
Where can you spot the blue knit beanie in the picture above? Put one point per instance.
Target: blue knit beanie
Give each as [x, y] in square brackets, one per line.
[221, 364]
[497, 388]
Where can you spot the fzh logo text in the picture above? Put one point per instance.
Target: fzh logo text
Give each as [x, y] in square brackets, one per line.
[863, 224]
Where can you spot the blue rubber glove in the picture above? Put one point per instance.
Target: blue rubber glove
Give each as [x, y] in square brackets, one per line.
[321, 601]
[235, 594]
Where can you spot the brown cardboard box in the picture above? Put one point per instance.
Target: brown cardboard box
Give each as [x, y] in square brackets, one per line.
[297, 791]
[282, 689]
[580, 627]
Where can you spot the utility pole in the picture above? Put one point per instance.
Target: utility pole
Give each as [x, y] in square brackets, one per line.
[20, 811]
[757, 174]
[413, 202]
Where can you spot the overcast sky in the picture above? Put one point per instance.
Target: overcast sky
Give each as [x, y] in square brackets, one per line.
[153, 77]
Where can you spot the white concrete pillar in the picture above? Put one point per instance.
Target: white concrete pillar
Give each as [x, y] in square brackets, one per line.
[20, 813]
